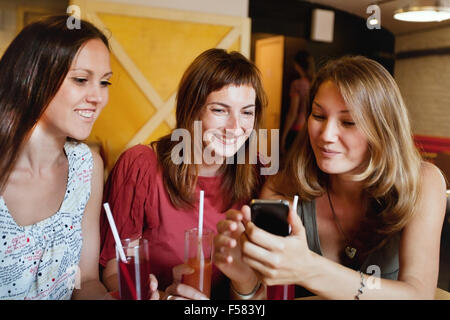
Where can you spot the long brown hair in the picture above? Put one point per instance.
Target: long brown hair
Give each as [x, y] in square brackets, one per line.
[391, 176]
[210, 71]
[32, 70]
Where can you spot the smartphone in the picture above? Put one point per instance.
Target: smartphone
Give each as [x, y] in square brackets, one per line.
[271, 215]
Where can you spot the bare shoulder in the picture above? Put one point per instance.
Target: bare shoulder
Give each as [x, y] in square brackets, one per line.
[432, 196]
[432, 177]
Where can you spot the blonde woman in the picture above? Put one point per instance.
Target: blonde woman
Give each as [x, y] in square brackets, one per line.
[368, 203]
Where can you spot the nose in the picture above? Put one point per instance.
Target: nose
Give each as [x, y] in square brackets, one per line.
[94, 95]
[234, 125]
[330, 130]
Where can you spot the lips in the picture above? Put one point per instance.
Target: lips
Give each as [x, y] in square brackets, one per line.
[328, 152]
[227, 141]
[86, 113]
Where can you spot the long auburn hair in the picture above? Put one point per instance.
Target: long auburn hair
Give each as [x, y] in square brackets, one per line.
[32, 70]
[391, 176]
[210, 71]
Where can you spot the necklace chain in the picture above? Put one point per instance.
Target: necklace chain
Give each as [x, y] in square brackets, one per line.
[349, 250]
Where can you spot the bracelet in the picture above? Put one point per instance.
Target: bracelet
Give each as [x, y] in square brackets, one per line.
[363, 285]
[246, 296]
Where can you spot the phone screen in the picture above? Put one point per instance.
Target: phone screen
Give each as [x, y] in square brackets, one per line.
[271, 216]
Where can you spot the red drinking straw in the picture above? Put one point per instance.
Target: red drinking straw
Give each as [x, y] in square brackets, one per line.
[128, 281]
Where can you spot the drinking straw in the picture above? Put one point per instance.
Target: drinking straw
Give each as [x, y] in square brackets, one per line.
[114, 232]
[124, 272]
[285, 287]
[200, 214]
[200, 246]
[294, 206]
[119, 247]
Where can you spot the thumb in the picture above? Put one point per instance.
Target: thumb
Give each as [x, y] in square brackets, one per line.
[153, 282]
[295, 222]
[179, 270]
[247, 215]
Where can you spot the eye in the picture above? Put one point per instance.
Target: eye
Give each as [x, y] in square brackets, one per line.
[105, 83]
[317, 116]
[249, 113]
[218, 110]
[79, 80]
[348, 123]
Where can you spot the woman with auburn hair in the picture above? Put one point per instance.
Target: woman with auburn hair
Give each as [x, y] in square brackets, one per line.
[368, 204]
[154, 190]
[53, 85]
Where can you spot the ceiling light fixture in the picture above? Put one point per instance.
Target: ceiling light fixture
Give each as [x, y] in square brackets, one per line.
[425, 11]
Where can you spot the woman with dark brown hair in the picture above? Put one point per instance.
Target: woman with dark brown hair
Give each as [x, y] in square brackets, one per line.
[53, 85]
[154, 190]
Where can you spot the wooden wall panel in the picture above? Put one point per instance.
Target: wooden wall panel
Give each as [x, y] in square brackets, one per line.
[151, 48]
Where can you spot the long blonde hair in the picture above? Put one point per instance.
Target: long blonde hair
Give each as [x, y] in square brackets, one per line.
[391, 177]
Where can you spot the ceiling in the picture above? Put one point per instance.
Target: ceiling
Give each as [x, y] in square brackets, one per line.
[387, 8]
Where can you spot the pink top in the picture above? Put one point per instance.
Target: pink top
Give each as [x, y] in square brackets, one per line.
[141, 206]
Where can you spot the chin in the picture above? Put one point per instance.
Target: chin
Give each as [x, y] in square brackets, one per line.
[79, 136]
[336, 169]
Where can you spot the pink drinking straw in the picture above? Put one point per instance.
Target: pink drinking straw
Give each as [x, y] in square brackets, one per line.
[119, 247]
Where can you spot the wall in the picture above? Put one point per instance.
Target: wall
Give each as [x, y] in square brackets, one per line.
[238, 8]
[151, 48]
[9, 10]
[146, 37]
[425, 81]
[10, 13]
[292, 19]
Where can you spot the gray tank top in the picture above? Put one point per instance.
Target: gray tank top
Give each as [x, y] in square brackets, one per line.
[383, 262]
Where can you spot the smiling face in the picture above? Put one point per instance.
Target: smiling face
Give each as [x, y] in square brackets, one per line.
[82, 95]
[228, 117]
[339, 145]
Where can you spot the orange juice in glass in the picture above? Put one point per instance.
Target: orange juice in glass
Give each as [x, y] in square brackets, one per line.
[198, 255]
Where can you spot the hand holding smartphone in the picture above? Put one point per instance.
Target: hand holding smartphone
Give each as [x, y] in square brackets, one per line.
[271, 215]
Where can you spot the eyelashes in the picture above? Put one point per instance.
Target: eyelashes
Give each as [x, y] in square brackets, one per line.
[106, 83]
[222, 111]
[345, 123]
[82, 81]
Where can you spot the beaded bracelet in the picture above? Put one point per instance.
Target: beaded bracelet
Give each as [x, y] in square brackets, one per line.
[360, 290]
[246, 296]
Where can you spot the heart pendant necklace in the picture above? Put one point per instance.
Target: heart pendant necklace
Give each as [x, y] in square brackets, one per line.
[350, 251]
